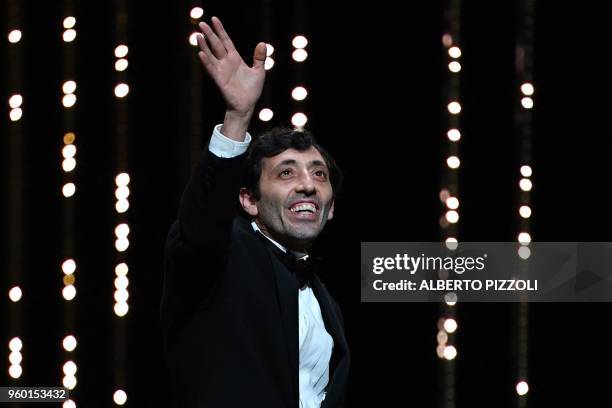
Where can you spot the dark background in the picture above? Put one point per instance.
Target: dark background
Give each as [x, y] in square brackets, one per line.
[375, 76]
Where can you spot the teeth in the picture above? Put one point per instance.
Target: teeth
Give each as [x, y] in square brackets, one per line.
[304, 207]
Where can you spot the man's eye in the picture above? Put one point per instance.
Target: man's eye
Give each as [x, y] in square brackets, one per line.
[285, 173]
[320, 173]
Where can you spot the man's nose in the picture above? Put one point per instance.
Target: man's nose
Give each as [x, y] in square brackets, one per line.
[305, 185]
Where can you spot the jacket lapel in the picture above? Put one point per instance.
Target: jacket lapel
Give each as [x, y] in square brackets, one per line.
[340, 354]
[286, 287]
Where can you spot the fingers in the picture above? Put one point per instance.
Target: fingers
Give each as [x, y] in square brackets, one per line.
[207, 58]
[217, 47]
[259, 56]
[223, 36]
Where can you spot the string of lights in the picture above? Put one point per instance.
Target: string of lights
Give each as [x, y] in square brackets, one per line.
[122, 193]
[68, 165]
[266, 113]
[195, 15]
[524, 130]
[447, 326]
[14, 183]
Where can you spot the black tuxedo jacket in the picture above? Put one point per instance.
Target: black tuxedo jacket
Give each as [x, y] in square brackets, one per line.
[230, 307]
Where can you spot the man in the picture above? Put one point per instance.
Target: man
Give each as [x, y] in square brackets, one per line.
[246, 323]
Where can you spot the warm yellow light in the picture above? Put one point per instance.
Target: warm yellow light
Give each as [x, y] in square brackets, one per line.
[121, 51]
[68, 280]
[69, 138]
[15, 294]
[265, 114]
[299, 55]
[69, 35]
[299, 119]
[121, 64]
[14, 36]
[299, 93]
[196, 12]
[299, 41]
[121, 90]
[15, 101]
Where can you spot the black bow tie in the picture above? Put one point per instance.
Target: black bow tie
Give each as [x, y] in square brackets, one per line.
[302, 269]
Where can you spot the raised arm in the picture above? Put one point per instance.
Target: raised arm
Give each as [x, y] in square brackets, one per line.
[239, 84]
[198, 242]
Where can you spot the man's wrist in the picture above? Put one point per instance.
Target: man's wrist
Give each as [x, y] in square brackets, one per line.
[236, 124]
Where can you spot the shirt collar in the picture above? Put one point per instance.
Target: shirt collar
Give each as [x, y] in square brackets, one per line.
[298, 255]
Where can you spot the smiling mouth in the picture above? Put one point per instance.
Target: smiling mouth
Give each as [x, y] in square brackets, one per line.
[304, 208]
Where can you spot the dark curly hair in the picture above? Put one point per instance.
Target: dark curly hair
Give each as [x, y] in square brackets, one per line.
[276, 141]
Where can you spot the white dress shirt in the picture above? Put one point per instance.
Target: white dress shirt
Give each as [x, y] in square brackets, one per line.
[315, 343]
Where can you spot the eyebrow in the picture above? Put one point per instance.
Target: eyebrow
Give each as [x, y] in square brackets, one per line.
[311, 164]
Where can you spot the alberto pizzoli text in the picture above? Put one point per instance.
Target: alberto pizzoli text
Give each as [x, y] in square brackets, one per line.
[457, 285]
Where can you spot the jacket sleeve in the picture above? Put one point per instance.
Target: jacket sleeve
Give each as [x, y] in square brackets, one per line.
[197, 244]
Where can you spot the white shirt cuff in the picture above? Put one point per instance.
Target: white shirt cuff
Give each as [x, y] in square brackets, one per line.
[222, 146]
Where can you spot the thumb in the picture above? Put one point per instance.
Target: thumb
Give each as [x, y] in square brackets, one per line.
[259, 56]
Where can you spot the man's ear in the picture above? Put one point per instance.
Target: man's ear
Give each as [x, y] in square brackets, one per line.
[330, 214]
[248, 202]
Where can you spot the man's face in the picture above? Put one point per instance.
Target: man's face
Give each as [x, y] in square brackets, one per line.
[296, 197]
